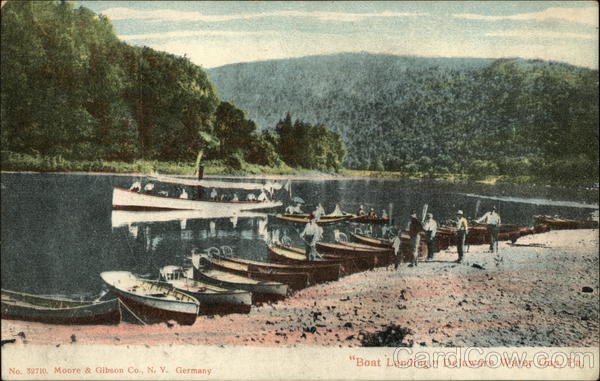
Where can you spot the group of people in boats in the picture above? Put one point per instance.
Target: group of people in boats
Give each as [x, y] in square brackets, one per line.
[214, 195]
[372, 214]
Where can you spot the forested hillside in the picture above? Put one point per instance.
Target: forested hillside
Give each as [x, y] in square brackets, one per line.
[71, 90]
[475, 116]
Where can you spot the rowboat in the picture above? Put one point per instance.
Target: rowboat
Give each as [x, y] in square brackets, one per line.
[323, 217]
[386, 243]
[213, 299]
[151, 301]
[478, 233]
[295, 280]
[561, 223]
[132, 200]
[262, 291]
[381, 256]
[304, 220]
[295, 256]
[318, 272]
[369, 220]
[372, 241]
[22, 306]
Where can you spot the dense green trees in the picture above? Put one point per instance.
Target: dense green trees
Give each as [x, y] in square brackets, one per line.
[471, 116]
[71, 88]
[308, 146]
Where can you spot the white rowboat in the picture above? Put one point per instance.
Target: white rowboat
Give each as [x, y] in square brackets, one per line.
[151, 301]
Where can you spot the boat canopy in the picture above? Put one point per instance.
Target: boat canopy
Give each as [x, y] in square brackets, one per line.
[217, 184]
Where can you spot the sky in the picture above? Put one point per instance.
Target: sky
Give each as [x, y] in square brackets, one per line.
[213, 34]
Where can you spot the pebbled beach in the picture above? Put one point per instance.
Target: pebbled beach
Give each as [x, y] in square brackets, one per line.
[541, 291]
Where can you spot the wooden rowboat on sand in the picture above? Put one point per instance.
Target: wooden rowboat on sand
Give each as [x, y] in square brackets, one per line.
[262, 291]
[295, 280]
[562, 223]
[213, 300]
[295, 256]
[44, 309]
[318, 273]
[150, 301]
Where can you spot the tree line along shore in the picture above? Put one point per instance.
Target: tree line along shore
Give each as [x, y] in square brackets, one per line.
[76, 98]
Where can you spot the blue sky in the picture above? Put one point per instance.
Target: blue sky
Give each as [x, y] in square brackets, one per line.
[212, 34]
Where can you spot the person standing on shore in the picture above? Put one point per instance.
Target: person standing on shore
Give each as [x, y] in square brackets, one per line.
[415, 227]
[492, 219]
[311, 234]
[430, 227]
[461, 234]
[396, 245]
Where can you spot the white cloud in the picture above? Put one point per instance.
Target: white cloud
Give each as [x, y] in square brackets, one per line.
[529, 33]
[210, 52]
[172, 15]
[588, 16]
[191, 33]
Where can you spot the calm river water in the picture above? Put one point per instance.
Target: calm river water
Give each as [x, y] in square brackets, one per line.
[59, 232]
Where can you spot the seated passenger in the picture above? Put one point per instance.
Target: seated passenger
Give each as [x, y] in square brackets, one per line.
[361, 211]
[213, 194]
[235, 197]
[384, 214]
[251, 197]
[337, 211]
[135, 187]
[183, 194]
[149, 188]
[262, 196]
[372, 213]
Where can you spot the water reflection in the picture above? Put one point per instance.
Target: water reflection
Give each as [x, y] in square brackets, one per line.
[59, 232]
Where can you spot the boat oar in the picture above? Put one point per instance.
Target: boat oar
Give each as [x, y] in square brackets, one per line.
[418, 238]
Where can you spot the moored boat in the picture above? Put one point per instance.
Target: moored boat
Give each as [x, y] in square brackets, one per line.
[295, 256]
[305, 220]
[381, 256]
[262, 291]
[318, 272]
[562, 223]
[369, 220]
[323, 217]
[295, 280]
[378, 242]
[387, 243]
[478, 233]
[45, 309]
[213, 299]
[151, 301]
[132, 200]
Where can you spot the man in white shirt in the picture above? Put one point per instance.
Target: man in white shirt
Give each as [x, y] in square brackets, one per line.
[396, 244]
[311, 234]
[492, 219]
[430, 228]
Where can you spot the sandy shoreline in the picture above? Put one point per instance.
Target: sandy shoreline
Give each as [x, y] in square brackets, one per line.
[533, 297]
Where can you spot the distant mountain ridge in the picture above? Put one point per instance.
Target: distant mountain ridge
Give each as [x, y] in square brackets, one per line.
[396, 110]
[330, 73]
